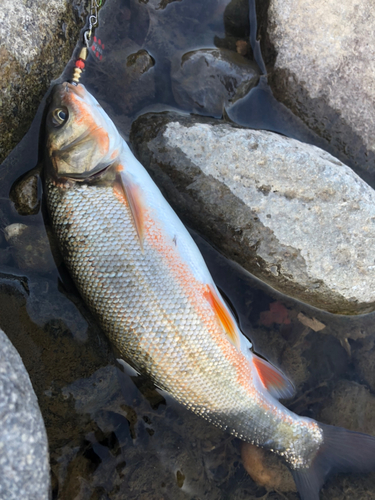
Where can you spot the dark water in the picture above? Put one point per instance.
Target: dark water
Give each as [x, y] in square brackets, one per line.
[111, 434]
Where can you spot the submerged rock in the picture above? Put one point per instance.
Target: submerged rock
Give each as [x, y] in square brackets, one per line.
[24, 463]
[206, 80]
[290, 213]
[352, 406]
[321, 66]
[30, 247]
[266, 468]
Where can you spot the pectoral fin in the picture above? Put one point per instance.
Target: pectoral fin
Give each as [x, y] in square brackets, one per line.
[277, 384]
[133, 195]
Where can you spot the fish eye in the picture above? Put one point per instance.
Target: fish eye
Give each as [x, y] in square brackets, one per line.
[59, 116]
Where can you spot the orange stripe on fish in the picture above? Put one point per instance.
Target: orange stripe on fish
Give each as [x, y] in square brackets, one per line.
[273, 379]
[133, 196]
[223, 315]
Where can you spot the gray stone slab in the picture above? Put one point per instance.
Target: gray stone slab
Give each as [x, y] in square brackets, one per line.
[290, 213]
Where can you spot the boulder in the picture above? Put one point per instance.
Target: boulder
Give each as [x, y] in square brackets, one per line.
[320, 61]
[24, 461]
[37, 40]
[290, 213]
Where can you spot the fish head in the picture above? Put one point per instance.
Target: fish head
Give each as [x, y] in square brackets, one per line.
[81, 138]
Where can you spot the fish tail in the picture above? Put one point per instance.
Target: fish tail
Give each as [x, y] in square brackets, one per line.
[341, 451]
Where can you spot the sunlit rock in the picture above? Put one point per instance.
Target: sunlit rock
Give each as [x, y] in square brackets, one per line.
[320, 57]
[290, 213]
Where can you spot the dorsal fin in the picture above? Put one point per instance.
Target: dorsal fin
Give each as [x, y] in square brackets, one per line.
[133, 196]
[223, 315]
[277, 384]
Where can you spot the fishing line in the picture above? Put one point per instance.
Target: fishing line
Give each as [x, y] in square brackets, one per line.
[93, 22]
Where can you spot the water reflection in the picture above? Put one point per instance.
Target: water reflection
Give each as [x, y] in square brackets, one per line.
[111, 434]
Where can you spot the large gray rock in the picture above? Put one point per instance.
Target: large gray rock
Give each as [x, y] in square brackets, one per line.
[321, 66]
[37, 39]
[290, 213]
[24, 465]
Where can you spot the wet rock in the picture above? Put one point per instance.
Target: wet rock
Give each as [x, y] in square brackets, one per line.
[30, 247]
[37, 40]
[206, 80]
[288, 212]
[24, 462]
[236, 25]
[267, 469]
[321, 66]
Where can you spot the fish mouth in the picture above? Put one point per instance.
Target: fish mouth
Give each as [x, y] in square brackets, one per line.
[67, 87]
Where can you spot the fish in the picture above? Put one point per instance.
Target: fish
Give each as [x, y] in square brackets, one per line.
[144, 279]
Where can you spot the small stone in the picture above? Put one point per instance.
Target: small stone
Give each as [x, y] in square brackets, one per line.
[266, 469]
[24, 195]
[242, 47]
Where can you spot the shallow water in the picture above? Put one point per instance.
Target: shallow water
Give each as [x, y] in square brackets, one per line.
[111, 434]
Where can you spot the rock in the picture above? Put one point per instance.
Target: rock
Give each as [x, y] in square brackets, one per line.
[266, 469]
[320, 59]
[24, 194]
[206, 80]
[236, 26]
[352, 406]
[37, 40]
[24, 462]
[30, 247]
[288, 212]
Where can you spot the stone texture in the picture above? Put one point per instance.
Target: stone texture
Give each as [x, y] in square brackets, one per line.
[227, 76]
[352, 406]
[24, 466]
[290, 213]
[320, 57]
[30, 247]
[37, 39]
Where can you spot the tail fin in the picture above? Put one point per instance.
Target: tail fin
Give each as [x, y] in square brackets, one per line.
[341, 451]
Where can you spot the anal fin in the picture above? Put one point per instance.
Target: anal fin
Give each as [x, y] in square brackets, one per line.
[277, 384]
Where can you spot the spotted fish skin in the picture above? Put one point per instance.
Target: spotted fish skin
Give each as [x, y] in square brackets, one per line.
[141, 274]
